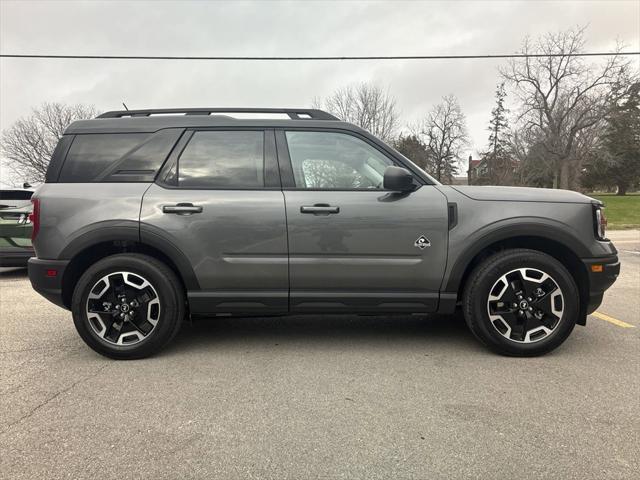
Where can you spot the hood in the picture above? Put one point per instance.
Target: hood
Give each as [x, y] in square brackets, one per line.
[522, 194]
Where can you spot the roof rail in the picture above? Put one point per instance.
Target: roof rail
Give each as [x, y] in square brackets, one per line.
[294, 113]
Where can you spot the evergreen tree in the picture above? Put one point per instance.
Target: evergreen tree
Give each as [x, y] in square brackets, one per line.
[497, 156]
[617, 162]
[622, 141]
[412, 147]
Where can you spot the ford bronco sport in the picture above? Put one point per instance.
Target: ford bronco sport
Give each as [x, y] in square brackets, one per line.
[150, 216]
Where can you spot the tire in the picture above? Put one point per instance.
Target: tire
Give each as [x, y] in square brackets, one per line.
[505, 310]
[155, 308]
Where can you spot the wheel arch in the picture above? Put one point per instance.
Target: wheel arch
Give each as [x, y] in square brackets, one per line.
[566, 251]
[97, 245]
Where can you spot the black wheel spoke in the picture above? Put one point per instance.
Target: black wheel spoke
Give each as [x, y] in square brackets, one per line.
[534, 321]
[518, 284]
[544, 306]
[97, 305]
[143, 298]
[117, 283]
[513, 321]
[500, 307]
[509, 296]
[547, 317]
[112, 332]
[141, 325]
[543, 291]
[523, 327]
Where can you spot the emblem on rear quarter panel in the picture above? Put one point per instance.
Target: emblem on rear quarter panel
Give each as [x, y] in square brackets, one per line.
[422, 242]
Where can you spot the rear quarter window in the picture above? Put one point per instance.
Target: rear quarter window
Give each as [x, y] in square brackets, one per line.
[118, 157]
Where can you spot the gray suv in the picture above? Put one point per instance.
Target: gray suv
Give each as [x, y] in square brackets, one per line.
[150, 216]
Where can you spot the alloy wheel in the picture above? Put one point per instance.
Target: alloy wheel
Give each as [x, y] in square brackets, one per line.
[525, 305]
[123, 308]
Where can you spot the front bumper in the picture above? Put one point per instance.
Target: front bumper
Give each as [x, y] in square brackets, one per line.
[602, 273]
[45, 281]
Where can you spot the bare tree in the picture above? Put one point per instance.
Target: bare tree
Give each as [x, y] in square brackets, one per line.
[366, 105]
[444, 132]
[29, 143]
[563, 96]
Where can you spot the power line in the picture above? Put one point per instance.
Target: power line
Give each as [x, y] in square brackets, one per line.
[320, 58]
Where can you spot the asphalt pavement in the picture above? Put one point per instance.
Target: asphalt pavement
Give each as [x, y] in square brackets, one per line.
[405, 397]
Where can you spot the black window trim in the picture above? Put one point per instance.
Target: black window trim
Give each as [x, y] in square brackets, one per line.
[286, 168]
[57, 161]
[113, 171]
[271, 171]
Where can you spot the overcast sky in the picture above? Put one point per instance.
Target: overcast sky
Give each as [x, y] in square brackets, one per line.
[271, 28]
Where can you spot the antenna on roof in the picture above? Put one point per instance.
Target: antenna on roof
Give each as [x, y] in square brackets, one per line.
[125, 106]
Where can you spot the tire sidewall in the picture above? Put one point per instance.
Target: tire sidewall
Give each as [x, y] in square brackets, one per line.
[484, 282]
[170, 311]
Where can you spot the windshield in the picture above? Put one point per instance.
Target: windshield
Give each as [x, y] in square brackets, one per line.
[15, 195]
[15, 199]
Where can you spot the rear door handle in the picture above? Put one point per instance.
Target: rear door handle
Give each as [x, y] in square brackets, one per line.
[182, 209]
[319, 209]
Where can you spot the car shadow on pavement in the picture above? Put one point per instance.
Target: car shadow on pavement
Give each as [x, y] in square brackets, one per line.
[323, 330]
[10, 273]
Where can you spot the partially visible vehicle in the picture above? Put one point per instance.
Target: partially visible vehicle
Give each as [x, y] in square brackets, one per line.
[15, 228]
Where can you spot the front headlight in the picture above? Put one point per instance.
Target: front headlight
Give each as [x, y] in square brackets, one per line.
[600, 223]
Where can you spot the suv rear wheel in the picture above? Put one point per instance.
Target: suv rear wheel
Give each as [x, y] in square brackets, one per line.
[128, 306]
[521, 302]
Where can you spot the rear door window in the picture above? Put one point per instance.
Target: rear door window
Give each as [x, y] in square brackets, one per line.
[223, 160]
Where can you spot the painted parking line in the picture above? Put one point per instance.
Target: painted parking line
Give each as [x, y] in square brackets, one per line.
[615, 321]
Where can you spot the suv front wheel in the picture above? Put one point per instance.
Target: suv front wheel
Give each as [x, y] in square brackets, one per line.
[128, 306]
[521, 302]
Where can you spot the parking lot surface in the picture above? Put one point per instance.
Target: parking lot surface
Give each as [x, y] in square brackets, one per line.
[321, 397]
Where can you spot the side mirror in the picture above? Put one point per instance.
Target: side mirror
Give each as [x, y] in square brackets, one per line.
[397, 179]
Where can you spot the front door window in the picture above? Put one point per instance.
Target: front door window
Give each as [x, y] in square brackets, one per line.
[335, 161]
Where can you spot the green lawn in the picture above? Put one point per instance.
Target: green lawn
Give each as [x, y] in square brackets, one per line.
[621, 212]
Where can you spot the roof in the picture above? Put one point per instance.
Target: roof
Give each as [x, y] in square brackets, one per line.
[474, 163]
[292, 113]
[147, 121]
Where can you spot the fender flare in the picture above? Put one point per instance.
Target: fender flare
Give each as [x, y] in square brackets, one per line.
[130, 231]
[154, 237]
[511, 229]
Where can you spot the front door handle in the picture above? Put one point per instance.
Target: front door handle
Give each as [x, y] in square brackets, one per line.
[182, 209]
[320, 209]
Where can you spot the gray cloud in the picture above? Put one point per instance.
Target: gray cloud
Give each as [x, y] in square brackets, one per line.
[280, 28]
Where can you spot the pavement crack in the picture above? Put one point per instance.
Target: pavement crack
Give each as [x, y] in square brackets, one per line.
[53, 397]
